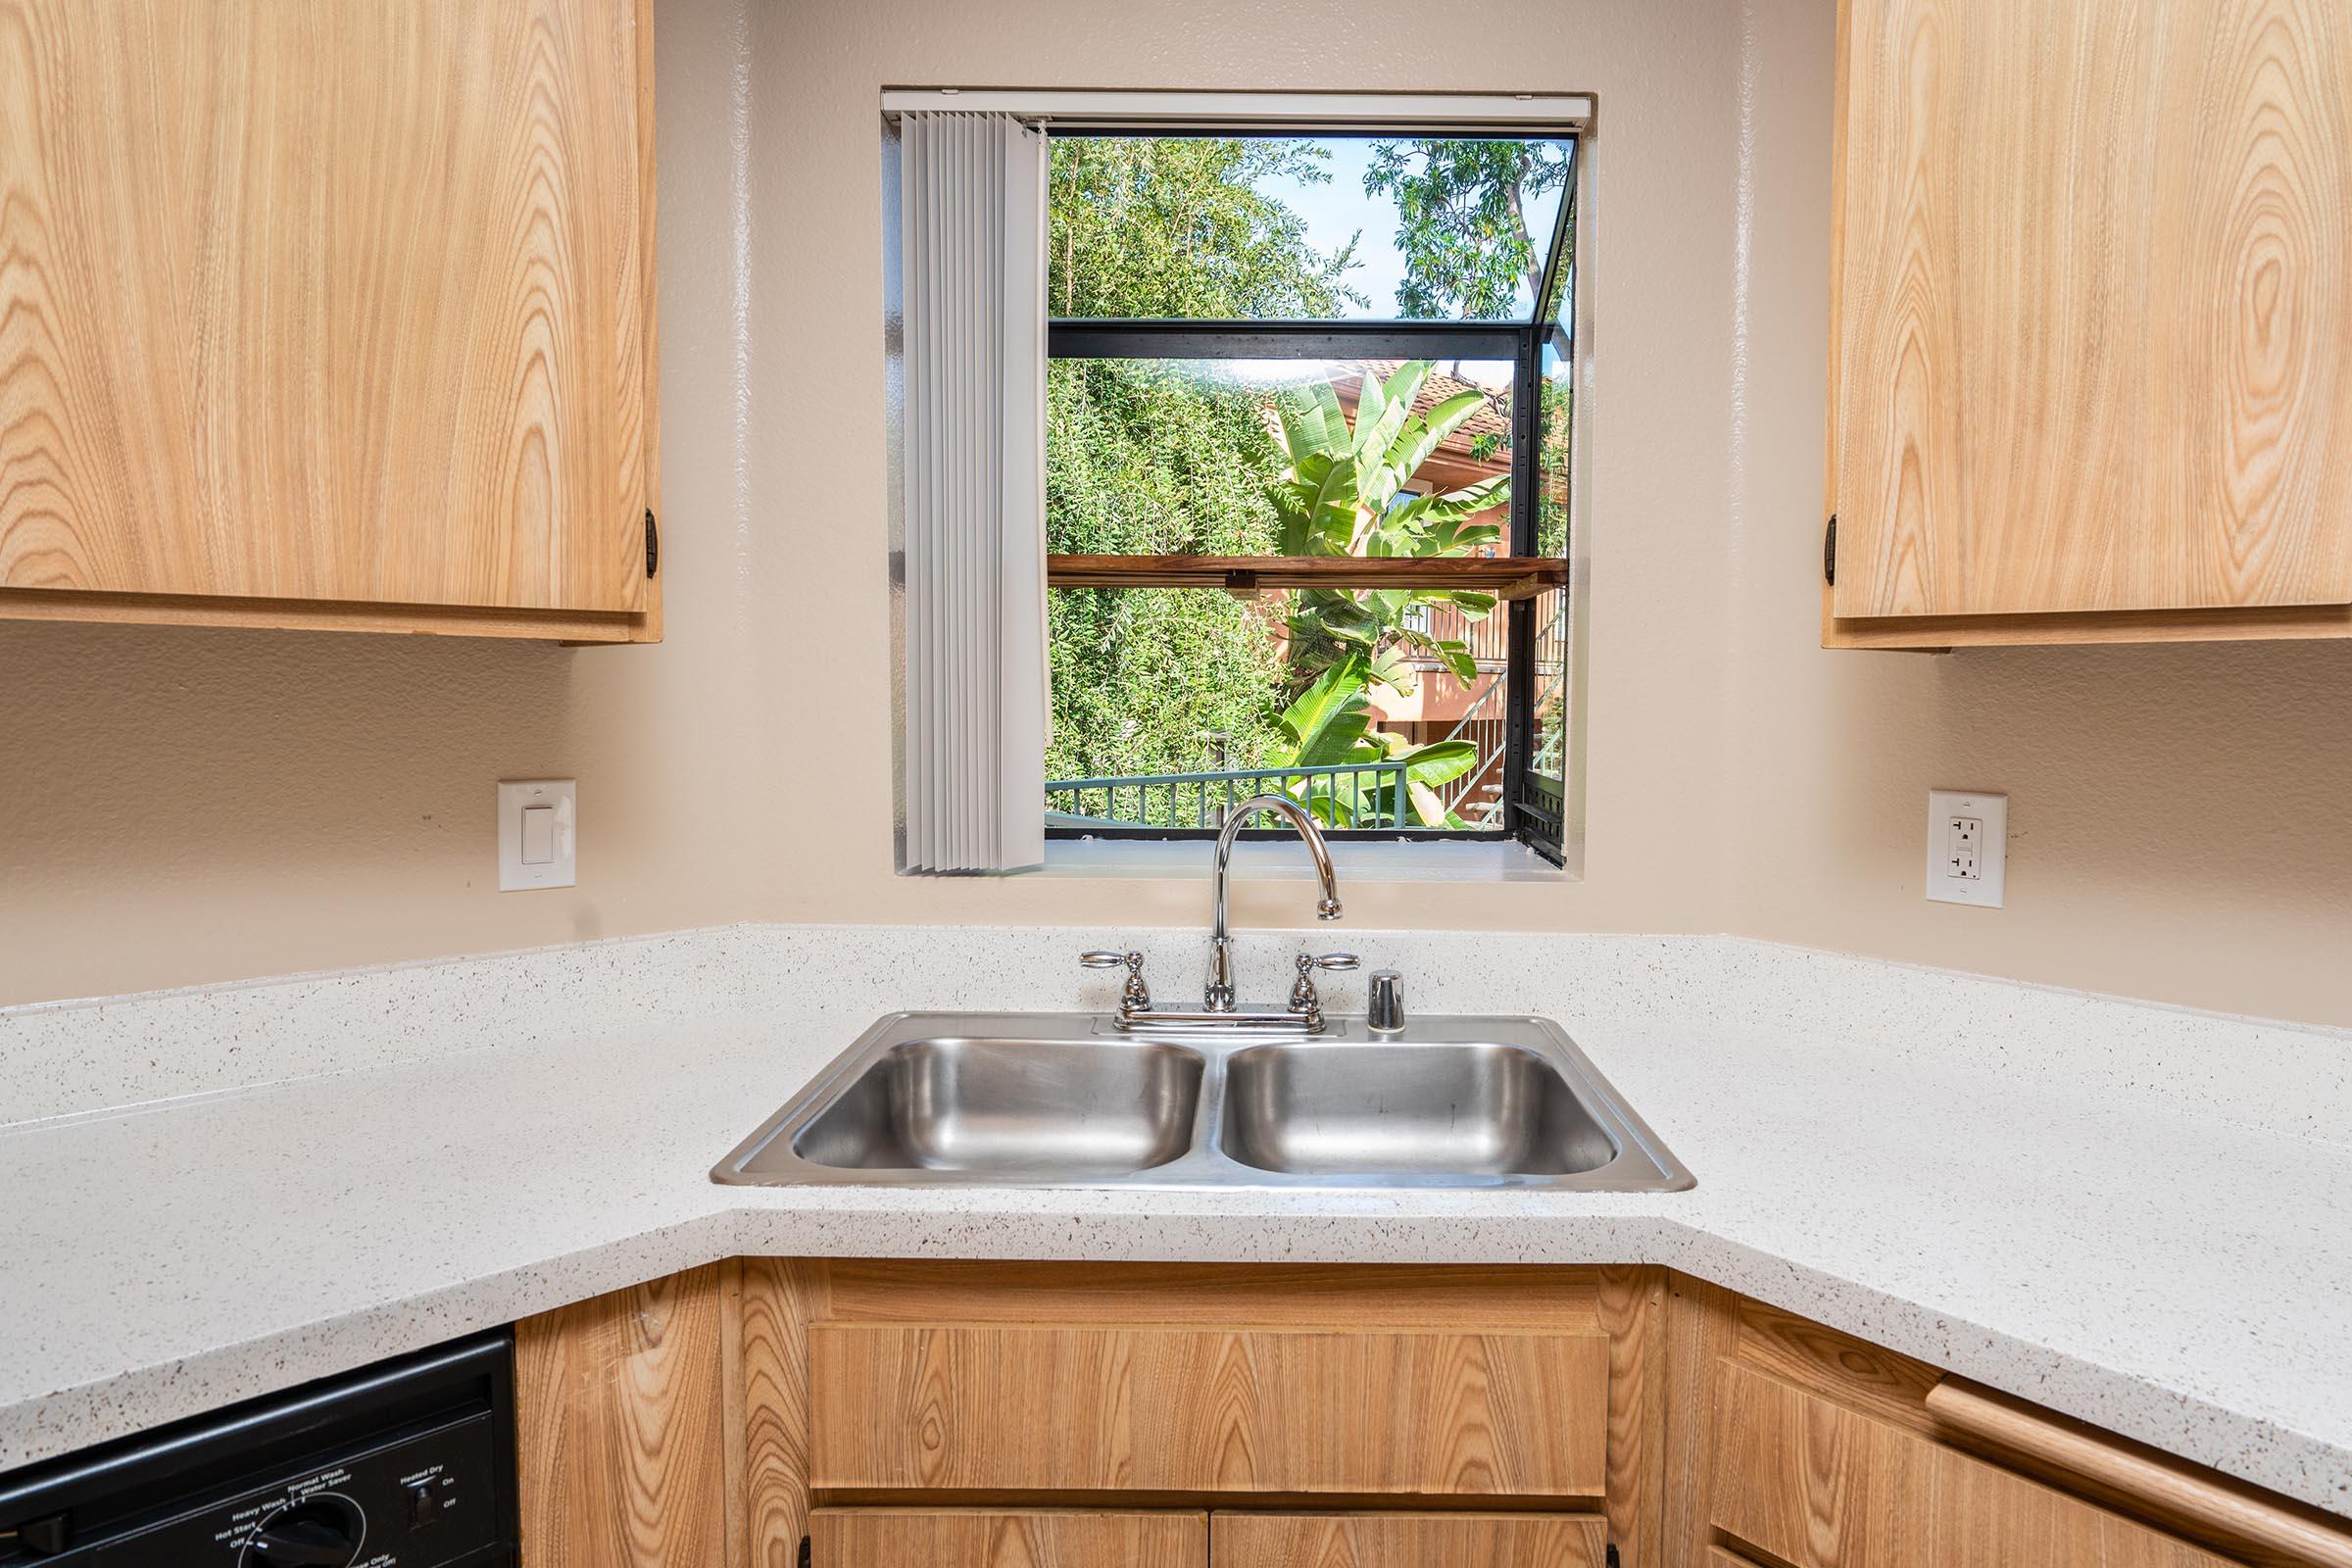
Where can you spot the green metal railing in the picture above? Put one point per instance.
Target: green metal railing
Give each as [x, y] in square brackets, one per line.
[1350, 795]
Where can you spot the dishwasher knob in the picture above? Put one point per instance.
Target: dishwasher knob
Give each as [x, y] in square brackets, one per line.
[321, 1533]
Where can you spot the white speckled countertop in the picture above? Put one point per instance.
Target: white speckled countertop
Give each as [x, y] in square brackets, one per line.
[2139, 1216]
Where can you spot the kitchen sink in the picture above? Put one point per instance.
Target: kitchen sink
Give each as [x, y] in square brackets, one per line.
[1066, 1099]
[1010, 1106]
[1474, 1109]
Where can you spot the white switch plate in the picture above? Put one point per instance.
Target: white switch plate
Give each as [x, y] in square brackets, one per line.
[517, 796]
[1968, 843]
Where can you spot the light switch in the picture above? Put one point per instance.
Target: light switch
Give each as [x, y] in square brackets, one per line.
[538, 833]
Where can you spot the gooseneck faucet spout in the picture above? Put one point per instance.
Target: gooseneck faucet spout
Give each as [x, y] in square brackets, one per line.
[1218, 996]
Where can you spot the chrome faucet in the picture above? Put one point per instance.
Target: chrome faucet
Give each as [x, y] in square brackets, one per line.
[1217, 996]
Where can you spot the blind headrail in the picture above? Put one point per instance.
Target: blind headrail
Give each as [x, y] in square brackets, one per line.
[1565, 114]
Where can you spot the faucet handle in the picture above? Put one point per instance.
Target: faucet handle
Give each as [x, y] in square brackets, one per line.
[1303, 990]
[1135, 997]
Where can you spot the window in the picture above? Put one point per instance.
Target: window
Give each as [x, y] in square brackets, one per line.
[1307, 432]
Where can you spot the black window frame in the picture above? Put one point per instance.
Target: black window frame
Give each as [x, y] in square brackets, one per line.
[1535, 808]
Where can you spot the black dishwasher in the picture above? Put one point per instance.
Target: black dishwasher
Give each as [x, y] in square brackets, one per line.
[406, 1464]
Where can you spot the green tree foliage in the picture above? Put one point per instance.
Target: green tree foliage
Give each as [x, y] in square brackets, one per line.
[1140, 460]
[1170, 227]
[1462, 207]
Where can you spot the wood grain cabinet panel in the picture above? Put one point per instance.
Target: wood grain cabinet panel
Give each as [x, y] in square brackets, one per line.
[986, 1538]
[949, 1408]
[340, 304]
[1408, 1541]
[625, 1438]
[2092, 350]
[1811, 1483]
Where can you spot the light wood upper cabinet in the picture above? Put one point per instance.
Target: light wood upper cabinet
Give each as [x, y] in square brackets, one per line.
[2091, 357]
[308, 310]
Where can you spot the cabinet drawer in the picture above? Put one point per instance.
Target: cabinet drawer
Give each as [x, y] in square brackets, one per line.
[1409, 1541]
[1005, 1538]
[1170, 1409]
[1811, 1482]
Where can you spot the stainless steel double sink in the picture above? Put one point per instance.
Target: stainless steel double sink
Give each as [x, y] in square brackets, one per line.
[1059, 1099]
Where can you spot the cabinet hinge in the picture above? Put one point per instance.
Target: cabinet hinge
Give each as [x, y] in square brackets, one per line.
[653, 543]
[1828, 551]
[1612, 1556]
[804, 1557]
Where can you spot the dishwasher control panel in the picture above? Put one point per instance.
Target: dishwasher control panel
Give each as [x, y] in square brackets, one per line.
[426, 1502]
[409, 1464]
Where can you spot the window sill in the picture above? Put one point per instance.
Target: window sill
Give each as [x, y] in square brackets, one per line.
[1357, 862]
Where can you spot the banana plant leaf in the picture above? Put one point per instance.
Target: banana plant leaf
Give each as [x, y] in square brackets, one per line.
[1439, 762]
[1316, 504]
[1457, 656]
[1393, 667]
[1313, 421]
[1326, 723]
[1479, 496]
[1421, 434]
[1429, 807]
[1380, 414]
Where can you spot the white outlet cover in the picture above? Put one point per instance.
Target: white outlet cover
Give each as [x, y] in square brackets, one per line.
[514, 796]
[1987, 889]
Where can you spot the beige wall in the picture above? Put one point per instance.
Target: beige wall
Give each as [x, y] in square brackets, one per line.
[189, 806]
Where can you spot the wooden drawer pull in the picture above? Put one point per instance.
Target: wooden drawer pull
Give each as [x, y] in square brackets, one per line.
[2166, 1486]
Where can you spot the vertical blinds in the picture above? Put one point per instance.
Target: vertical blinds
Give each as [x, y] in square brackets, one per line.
[973, 216]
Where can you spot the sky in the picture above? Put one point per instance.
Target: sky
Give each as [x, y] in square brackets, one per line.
[1338, 210]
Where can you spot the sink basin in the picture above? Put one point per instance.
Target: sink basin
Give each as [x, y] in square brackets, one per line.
[1473, 1109]
[1066, 1099]
[1009, 1107]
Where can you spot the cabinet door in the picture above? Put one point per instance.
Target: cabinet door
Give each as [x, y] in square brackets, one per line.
[325, 302]
[622, 1427]
[2093, 324]
[1818, 1486]
[1409, 1541]
[991, 1538]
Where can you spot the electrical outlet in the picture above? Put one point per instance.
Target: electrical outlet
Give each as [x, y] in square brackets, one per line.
[1968, 839]
[1962, 837]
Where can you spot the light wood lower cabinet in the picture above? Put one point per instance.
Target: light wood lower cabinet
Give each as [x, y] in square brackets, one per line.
[628, 1428]
[1816, 1484]
[1792, 1445]
[1005, 1537]
[1408, 1541]
[1184, 1416]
